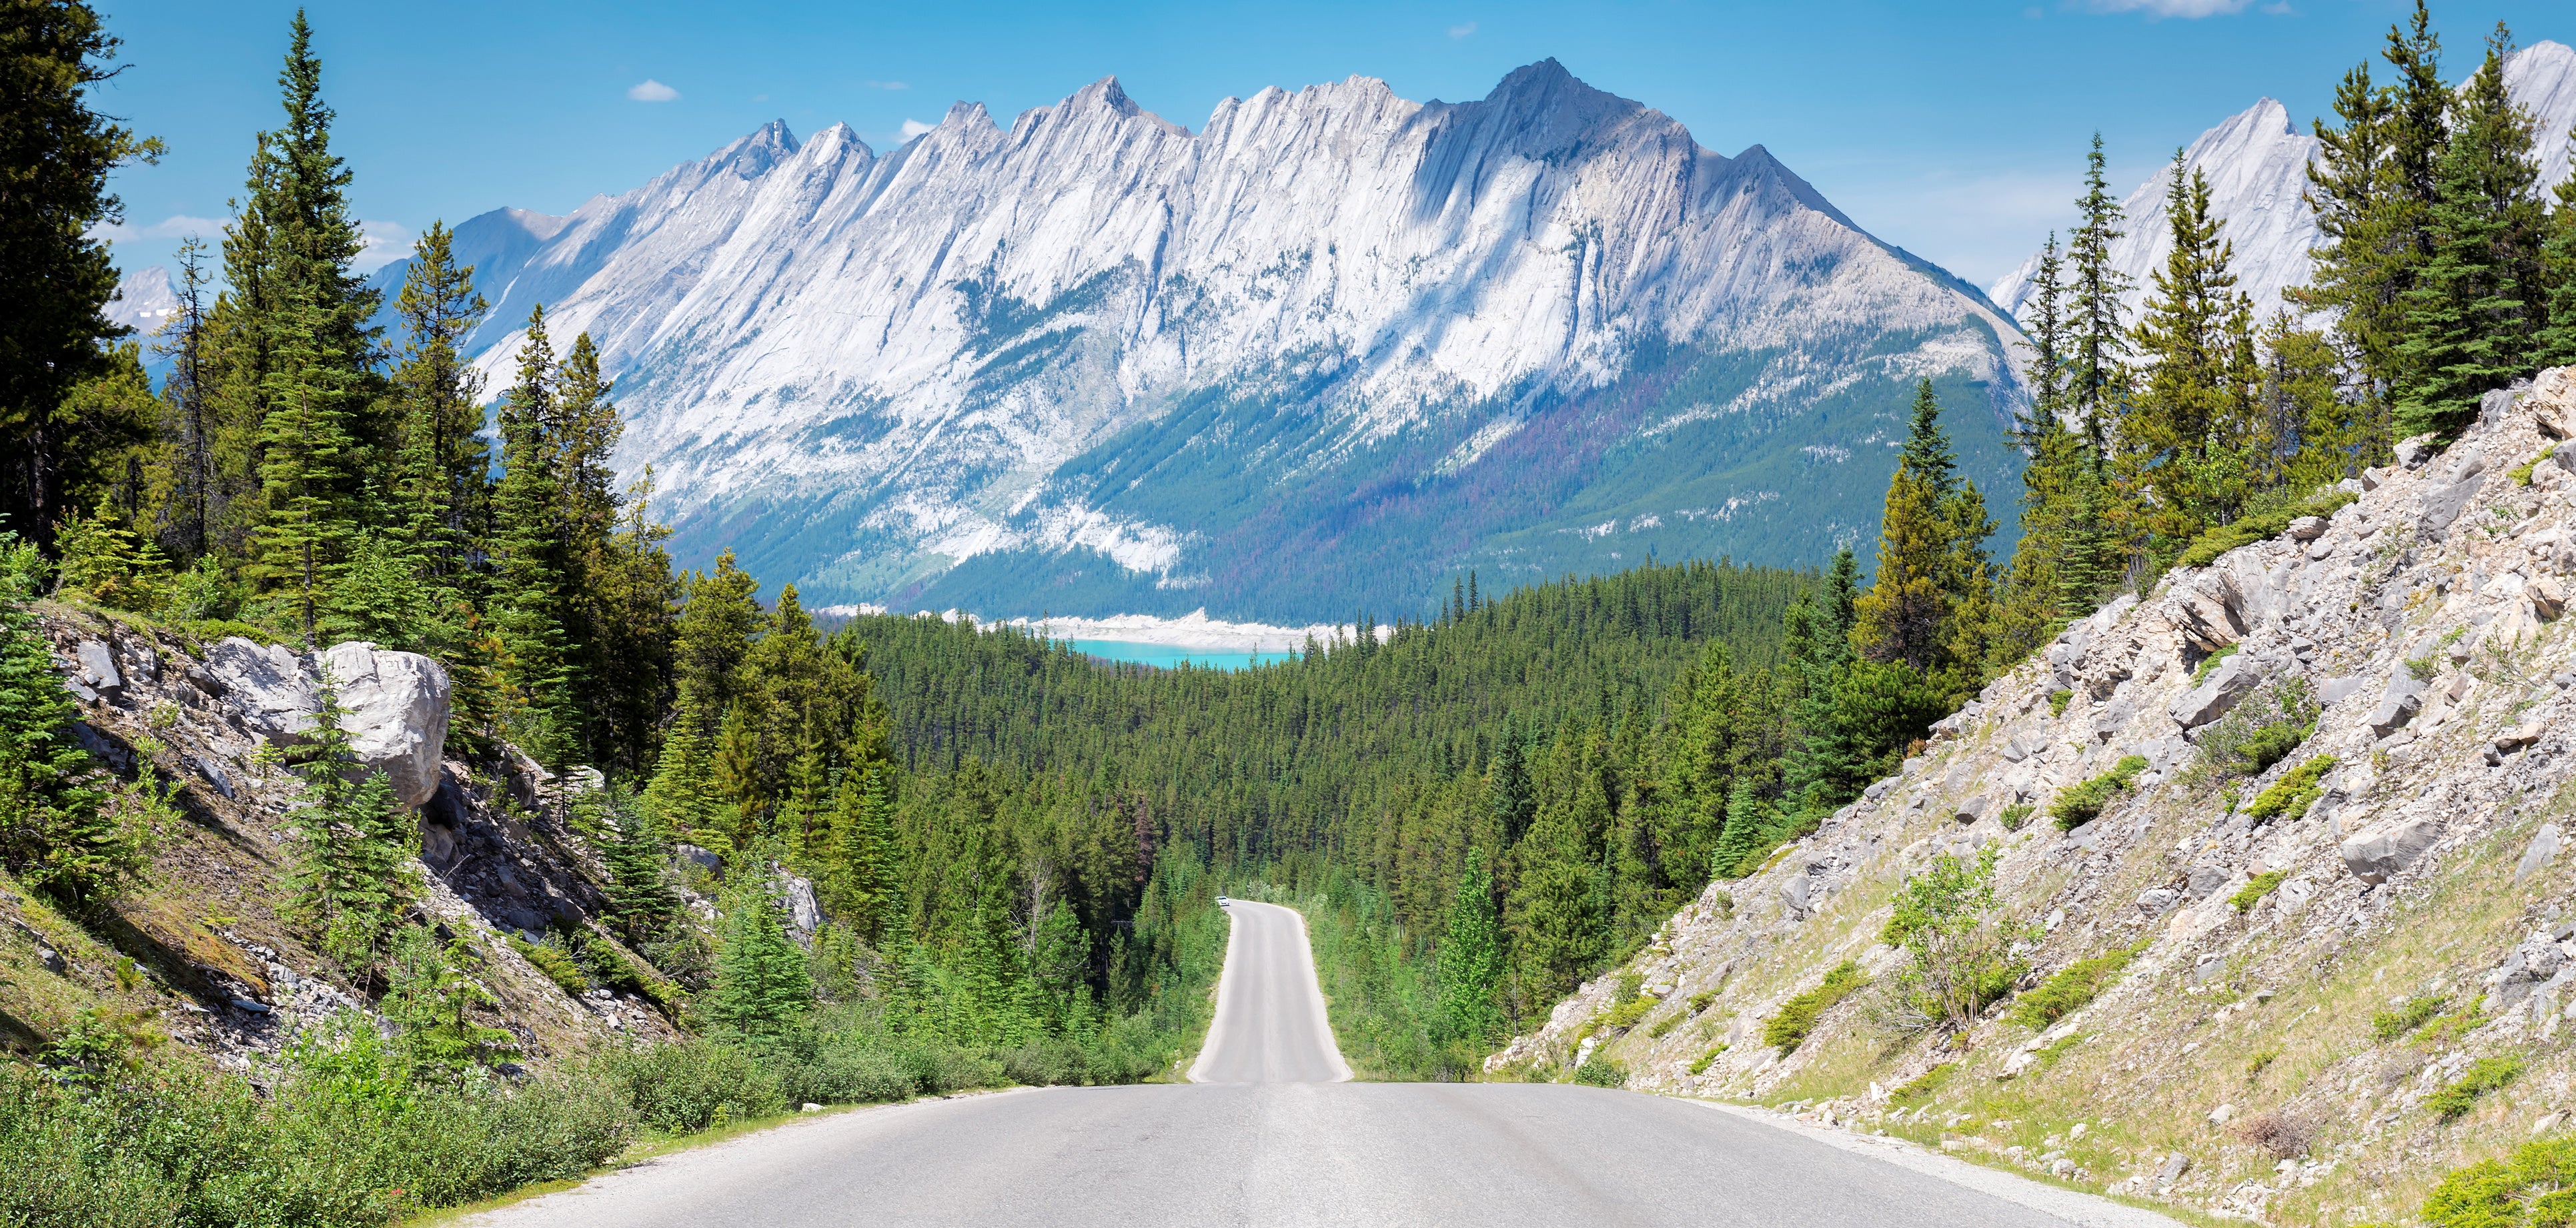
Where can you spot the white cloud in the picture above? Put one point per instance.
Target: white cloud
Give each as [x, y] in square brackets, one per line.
[384, 243]
[884, 85]
[913, 128]
[1462, 30]
[2185, 9]
[175, 226]
[651, 90]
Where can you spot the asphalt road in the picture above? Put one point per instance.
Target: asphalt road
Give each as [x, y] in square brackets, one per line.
[1272, 1134]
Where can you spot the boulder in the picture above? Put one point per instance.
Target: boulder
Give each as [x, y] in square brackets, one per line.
[2403, 699]
[268, 683]
[2337, 690]
[397, 705]
[2205, 881]
[2536, 857]
[2234, 679]
[2444, 504]
[2379, 852]
[2307, 528]
[95, 668]
[804, 912]
[2412, 453]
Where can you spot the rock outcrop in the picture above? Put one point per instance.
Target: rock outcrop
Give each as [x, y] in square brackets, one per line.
[395, 704]
[2318, 953]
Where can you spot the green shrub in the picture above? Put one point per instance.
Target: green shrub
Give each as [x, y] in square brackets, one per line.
[2254, 890]
[1699, 1001]
[2388, 1025]
[685, 1087]
[1700, 1064]
[2205, 549]
[2521, 474]
[2057, 701]
[1625, 1014]
[2483, 1075]
[1921, 1086]
[2534, 1189]
[2260, 731]
[1663, 1027]
[557, 963]
[2294, 792]
[2084, 803]
[2015, 815]
[1601, 1072]
[2070, 989]
[1797, 1017]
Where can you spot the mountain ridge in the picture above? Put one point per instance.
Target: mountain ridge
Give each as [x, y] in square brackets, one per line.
[1099, 363]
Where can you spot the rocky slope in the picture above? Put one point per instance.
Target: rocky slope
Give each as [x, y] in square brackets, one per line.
[1097, 363]
[2238, 1063]
[2257, 164]
[198, 953]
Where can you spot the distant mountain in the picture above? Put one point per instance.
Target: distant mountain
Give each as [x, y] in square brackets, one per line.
[1322, 354]
[2257, 164]
[146, 300]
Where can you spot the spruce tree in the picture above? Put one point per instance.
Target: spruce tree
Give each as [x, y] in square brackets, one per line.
[529, 594]
[2475, 311]
[2097, 375]
[430, 998]
[1470, 960]
[57, 831]
[2556, 344]
[56, 274]
[307, 450]
[1930, 552]
[444, 478]
[762, 986]
[189, 424]
[350, 841]
[1514, 805]
[870, 879]
[2192, 446]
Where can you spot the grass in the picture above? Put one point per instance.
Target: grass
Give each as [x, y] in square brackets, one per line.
[2057, 701]
[2084, 803]
[2252, 893]
[1921, 1087]
[2209, 665]
[2484, 1075]
[1700, 1064]
[2388, 1025]
[2521, 474]
[2015, 815]
[2294, 792]
[1797, 1017]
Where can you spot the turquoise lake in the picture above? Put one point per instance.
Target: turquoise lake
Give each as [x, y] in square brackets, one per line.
[1165, 656]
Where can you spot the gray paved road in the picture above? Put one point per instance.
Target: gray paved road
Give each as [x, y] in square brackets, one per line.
[1270, 1137]
[1270, 1025]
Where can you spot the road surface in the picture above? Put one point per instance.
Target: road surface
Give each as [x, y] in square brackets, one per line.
[1271, 1133]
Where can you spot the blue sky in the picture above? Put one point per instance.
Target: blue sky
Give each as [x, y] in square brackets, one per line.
[1954, 129]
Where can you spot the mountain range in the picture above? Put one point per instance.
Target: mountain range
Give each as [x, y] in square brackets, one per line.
[1325, 353]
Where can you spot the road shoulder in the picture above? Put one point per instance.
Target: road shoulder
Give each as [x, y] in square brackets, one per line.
[2073, 1206]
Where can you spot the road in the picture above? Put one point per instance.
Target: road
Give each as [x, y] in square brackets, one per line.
[1271, 1133]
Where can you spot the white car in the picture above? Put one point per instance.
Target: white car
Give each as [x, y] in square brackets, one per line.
[1221, 901]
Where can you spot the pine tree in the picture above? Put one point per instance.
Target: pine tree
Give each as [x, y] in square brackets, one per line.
[307, 452]
[681, 796]
[189, 424]
[1514, 805]
[631, 844]
[56, 274]
[1930, 552]
[762, 985]
[430, 1000]
[1471, 958]
[2097, 375]
[2193, 447]
[2556, 344]
[2473, 315]
[1821, 768]
[1748, 820]
[531, 586]
[870, 881]
[444, 476]
[717, 621]
[57, 832]
[350, 842]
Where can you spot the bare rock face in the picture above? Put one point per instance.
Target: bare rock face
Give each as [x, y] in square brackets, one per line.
[2377, 853]
[2234, 679]
[397, 706]
[268, 683]
[396, 703]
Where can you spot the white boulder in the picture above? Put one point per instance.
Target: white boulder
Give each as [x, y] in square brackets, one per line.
[395, 704]
[2377, 853]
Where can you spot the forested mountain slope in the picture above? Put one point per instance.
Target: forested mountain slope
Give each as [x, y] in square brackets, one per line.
[2251, 895]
